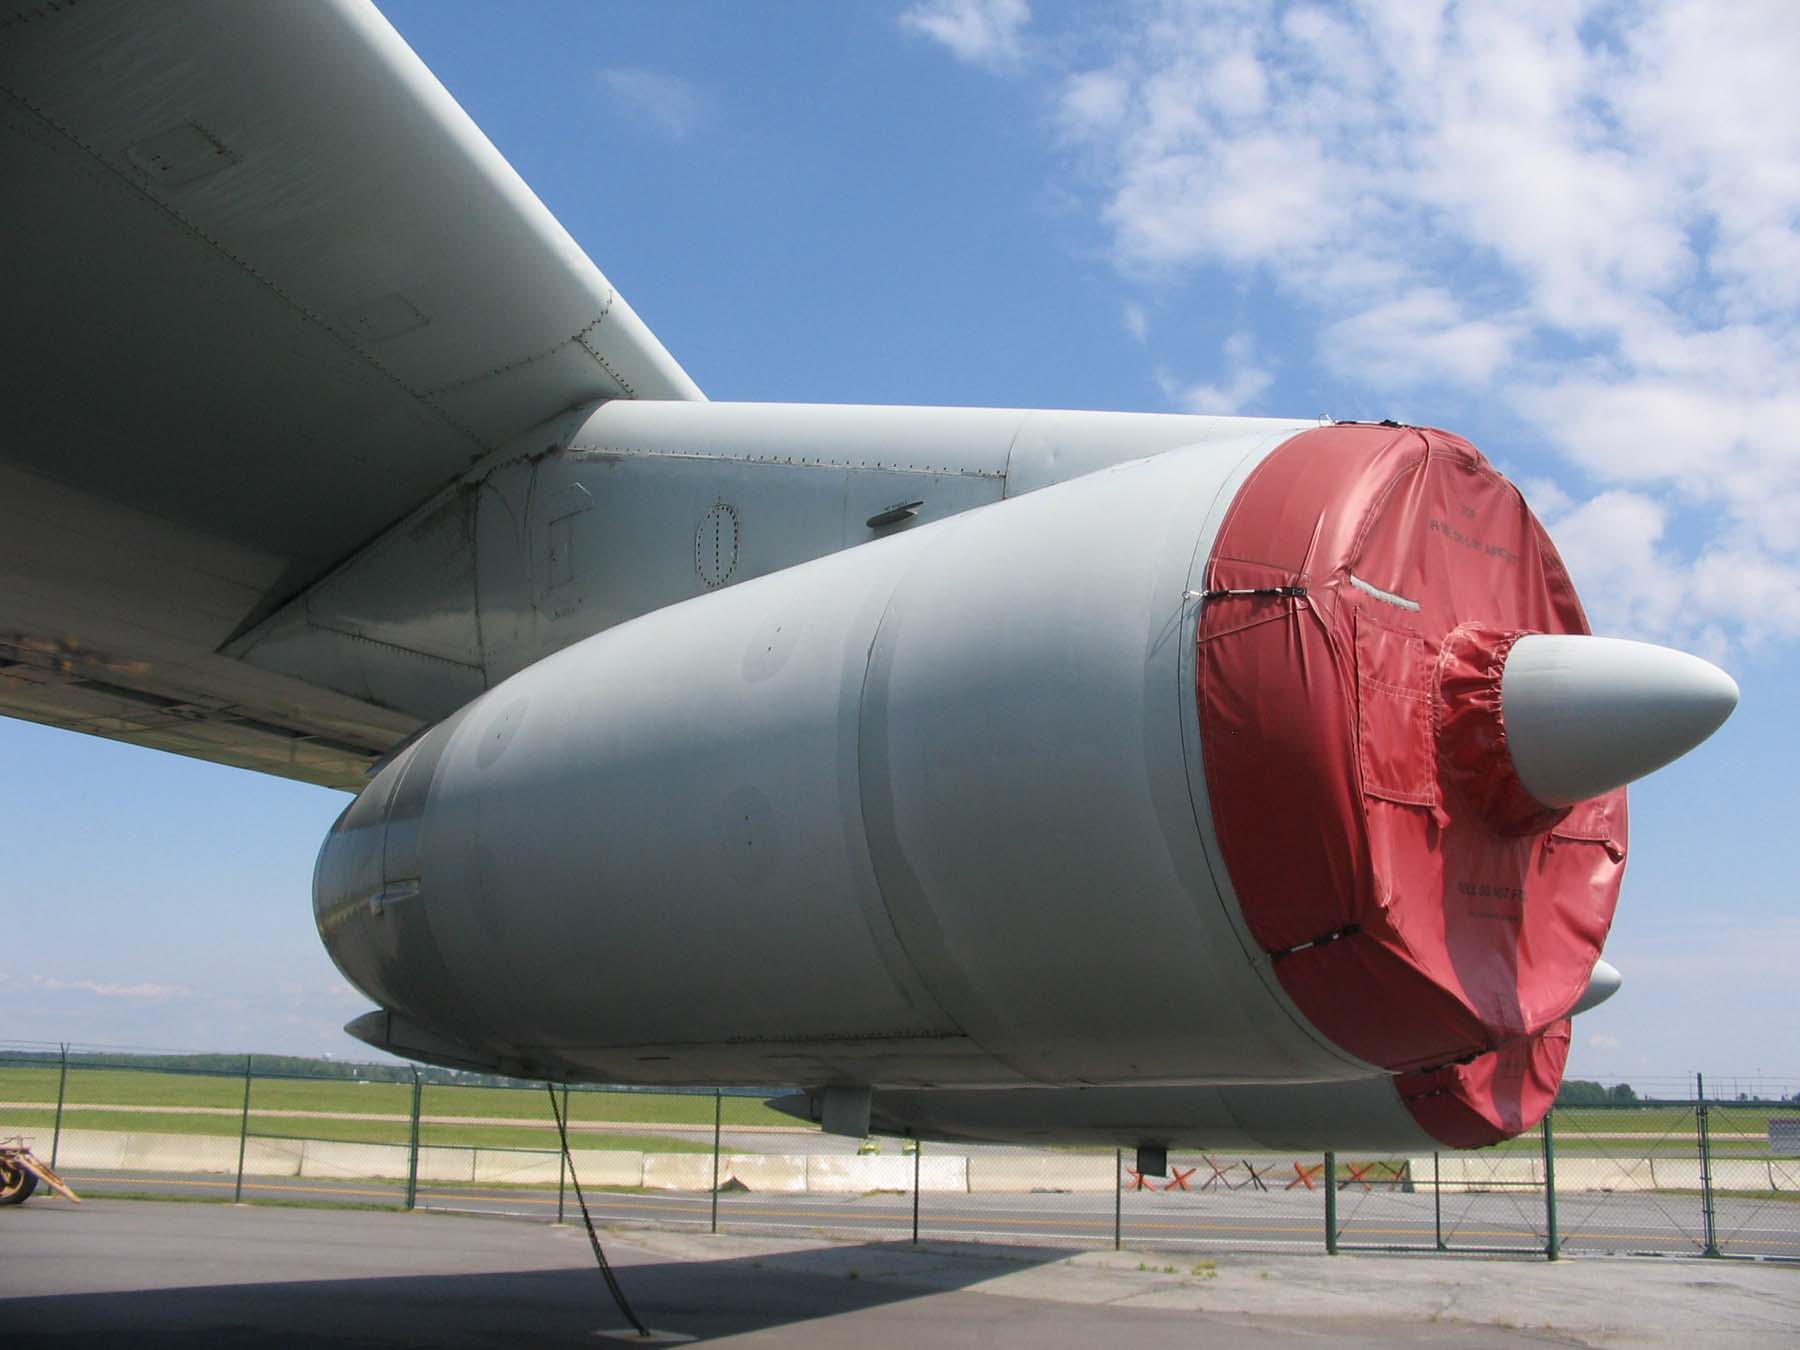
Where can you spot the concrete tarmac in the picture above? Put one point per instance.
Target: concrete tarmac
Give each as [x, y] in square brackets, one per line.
[155, 1274]
[1197, 1222]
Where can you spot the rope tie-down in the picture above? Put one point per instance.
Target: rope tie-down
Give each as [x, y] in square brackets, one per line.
[606, 1270]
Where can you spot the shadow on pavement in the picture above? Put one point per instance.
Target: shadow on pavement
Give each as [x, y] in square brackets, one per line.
[702, 1299]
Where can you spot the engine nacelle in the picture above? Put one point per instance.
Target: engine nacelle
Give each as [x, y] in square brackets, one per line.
[915, 813]
[1150, 777]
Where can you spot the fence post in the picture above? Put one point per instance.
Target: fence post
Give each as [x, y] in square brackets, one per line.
[1704, 1126]
[1437, 1204]
[62, 1086]
[1118, 1192]
[918, 1148]
[1552, 1242]
[718, 1122]
[412, 1163]
[562, 1162]
[1331, 1224]
[237, 1194]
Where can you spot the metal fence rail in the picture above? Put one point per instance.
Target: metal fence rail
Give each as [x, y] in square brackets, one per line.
[1701, 1176]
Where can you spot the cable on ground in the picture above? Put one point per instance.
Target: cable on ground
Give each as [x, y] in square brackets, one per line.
[612, 1280]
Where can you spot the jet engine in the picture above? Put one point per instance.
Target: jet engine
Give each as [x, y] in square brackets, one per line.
[1267, 762]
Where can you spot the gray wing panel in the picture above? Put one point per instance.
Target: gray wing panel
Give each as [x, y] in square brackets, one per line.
[270, 278]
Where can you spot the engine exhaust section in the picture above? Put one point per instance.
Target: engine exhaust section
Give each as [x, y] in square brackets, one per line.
[1282, 768]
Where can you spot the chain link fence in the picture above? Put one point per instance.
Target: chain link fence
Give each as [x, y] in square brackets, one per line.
[1703, 1175]
[1490, 1200]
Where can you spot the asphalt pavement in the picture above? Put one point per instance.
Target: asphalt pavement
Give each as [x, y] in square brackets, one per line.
[157, 1274]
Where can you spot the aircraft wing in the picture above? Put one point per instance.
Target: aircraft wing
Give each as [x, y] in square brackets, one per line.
[268, 288]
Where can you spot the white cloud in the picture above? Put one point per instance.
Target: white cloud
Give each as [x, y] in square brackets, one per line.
[99, 989]
[670, 105]
[1589, 210]
[1612, 545]
[1136, 321]
[1758, 595]
[1545, 497]
[1647, 425]
[1245, 379]
[1633, 582]
[1259, 199]
[1420, 337]
[1713, 92]
[1093, 103]
[981, 32]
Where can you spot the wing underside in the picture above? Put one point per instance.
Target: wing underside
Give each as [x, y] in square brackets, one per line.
[269, 289]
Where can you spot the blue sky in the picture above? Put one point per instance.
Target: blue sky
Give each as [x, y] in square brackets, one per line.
[1567, 231]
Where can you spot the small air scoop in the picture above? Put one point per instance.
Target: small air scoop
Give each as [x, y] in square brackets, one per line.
[893, 515]
[1585, 715]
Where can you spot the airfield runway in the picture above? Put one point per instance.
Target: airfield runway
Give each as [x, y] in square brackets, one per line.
[155, 1274]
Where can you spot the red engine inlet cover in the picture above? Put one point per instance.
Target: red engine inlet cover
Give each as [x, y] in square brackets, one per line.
[1419, 907]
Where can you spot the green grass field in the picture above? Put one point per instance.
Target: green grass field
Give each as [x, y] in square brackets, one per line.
[1661, 1131]
[112, 1099]
[106, 1098]
[1726, 1118]
[135, 1087]
[39, 1125]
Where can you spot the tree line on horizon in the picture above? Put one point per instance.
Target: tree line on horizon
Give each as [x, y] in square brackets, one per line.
[1583, 1092]
[303, 1066]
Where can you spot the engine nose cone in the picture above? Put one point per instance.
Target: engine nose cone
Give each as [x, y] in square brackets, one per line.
[1585, 715]
[1601, 985]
